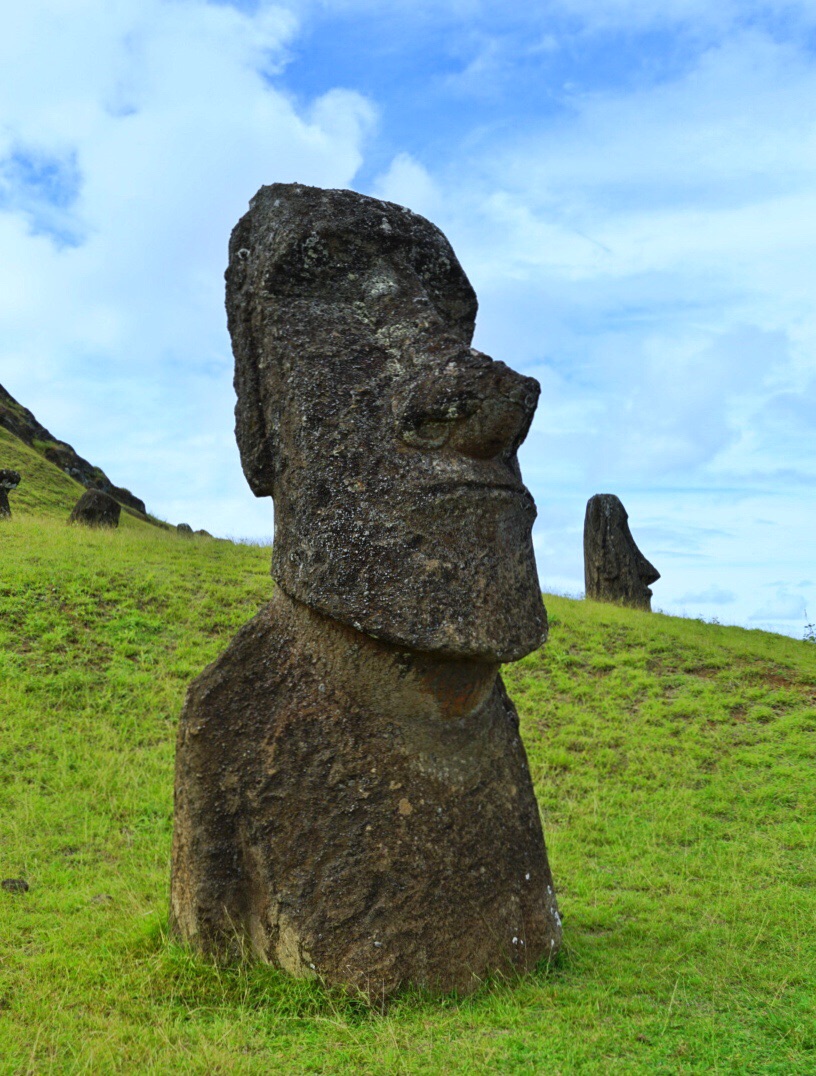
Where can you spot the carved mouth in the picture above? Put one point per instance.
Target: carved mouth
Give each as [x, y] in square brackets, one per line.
[481, 489]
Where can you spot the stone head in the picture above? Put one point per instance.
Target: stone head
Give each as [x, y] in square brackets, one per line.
[615, 568]
[9, 479]
[387, 442]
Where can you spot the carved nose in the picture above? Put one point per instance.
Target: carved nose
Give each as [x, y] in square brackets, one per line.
[646, 570]
[478, 407]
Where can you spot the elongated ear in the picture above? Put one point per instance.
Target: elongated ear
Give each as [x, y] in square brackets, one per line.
[257, 442]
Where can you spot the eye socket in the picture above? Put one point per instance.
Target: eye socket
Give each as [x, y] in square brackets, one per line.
[430, 422]
[426, 433]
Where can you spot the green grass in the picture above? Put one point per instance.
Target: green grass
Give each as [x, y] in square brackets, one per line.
[674, 762]
[45, 490]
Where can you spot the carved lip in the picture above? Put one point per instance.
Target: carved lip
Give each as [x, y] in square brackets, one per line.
[515, 489]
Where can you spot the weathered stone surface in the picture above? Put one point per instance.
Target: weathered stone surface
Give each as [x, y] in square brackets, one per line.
[352, 794]
[348, 808]
[615, 570]
[388, 443]
[96, 509]
[185, 530]
[8, 480]
[202, 533]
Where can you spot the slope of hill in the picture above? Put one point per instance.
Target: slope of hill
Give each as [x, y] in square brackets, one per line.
[20, 422]
[674, 765]
[46, 490]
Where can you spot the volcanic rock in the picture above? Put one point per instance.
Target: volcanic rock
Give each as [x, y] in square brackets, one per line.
[15, 885]
[8, 480]
[615, 570]
[96, 509]
[352, 796]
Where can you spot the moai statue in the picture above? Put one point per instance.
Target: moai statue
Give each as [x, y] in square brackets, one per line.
[352, 797]
[615, 570]
[96, 509]
[9, 480]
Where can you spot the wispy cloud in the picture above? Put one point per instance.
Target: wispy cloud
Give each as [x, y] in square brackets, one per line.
[134, 135]
[785, 605]
[709, 596]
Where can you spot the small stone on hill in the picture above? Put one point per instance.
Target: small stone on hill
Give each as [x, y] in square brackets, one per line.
[15, 885]
[96, 509]
[185, 529]
[8, 480]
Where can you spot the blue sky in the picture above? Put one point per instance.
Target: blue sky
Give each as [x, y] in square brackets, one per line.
[630, 185]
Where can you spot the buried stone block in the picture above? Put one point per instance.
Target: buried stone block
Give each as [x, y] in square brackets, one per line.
[615, 570]
[352, 796]
[9, 480]
[96, 509]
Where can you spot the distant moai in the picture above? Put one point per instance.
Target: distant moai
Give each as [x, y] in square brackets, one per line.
[352, 797]
[9, 480]
[96, 509]
[615, 570]
[185, 530]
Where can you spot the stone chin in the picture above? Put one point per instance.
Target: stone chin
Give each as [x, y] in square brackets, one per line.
[454, 574]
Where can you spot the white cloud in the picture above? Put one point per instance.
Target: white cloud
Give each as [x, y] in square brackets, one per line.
[666, 235]
[647, 254]
[173, 118]
[785, 605]
[406, 182]
[712, 595]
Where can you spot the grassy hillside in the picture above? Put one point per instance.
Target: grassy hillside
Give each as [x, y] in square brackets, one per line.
[46, 490]
[674, 762]
[21, 423]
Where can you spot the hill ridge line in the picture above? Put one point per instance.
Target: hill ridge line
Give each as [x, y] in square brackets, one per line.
[22, 424]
